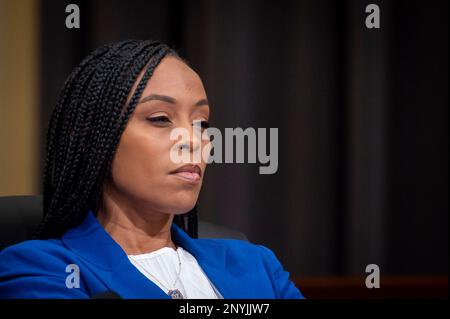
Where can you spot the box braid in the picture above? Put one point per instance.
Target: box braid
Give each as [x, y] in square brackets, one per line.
[85, 128]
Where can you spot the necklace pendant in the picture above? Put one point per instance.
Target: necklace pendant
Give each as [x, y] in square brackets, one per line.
[175, 294]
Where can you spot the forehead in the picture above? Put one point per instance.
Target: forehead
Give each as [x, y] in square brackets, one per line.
[172, 75]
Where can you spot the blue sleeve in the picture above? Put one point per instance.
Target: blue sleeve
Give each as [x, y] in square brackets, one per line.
[27, 273]
[284, 287]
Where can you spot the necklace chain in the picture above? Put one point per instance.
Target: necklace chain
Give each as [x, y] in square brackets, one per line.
[169, 290]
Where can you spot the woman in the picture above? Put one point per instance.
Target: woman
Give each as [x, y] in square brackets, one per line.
[120, 215]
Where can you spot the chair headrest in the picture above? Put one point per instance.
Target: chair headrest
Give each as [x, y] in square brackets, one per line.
[19, 217]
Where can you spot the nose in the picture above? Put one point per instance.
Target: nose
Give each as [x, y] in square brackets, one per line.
[194, 140]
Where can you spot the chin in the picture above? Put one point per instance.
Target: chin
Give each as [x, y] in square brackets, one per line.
[183, 209]
[182, 202]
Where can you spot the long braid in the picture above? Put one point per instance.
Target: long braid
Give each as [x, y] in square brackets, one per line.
[77, 84]
[192, 223]
[85, 128]
[73, 83]
[180, 221]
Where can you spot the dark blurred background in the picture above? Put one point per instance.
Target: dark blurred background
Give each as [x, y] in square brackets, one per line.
[362, 116]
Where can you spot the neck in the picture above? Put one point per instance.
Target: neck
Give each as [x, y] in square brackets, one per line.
[136, 228]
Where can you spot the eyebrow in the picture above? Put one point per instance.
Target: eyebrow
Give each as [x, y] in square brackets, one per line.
[169, 99]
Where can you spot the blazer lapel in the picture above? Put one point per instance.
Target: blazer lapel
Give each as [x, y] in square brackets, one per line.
[92, 243]
[212, 258]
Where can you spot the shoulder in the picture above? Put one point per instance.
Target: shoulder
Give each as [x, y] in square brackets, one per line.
[33, 254]
[242, 248]
[26, 269]
[248, 254]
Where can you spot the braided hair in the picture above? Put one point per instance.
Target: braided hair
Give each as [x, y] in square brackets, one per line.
[85, 128]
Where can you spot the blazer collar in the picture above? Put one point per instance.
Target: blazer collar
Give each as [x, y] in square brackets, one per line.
[92, 243]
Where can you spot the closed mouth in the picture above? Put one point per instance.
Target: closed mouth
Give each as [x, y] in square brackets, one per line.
[188, 172]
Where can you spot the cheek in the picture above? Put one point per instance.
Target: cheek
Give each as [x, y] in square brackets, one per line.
[140, 163]
[140, 171]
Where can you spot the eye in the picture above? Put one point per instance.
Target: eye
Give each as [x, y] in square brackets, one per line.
[205, 124]
[159, 119]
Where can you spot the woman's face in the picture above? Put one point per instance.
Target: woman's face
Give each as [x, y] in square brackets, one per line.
[141, 170]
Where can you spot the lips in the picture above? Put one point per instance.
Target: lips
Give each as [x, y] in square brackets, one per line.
[189, 172]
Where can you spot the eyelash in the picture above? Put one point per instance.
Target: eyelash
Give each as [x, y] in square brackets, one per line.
[165, 119]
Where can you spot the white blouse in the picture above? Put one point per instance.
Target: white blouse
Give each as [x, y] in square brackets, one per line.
[162, 264]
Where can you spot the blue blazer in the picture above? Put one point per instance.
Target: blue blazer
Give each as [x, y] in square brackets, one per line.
[37, 268]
